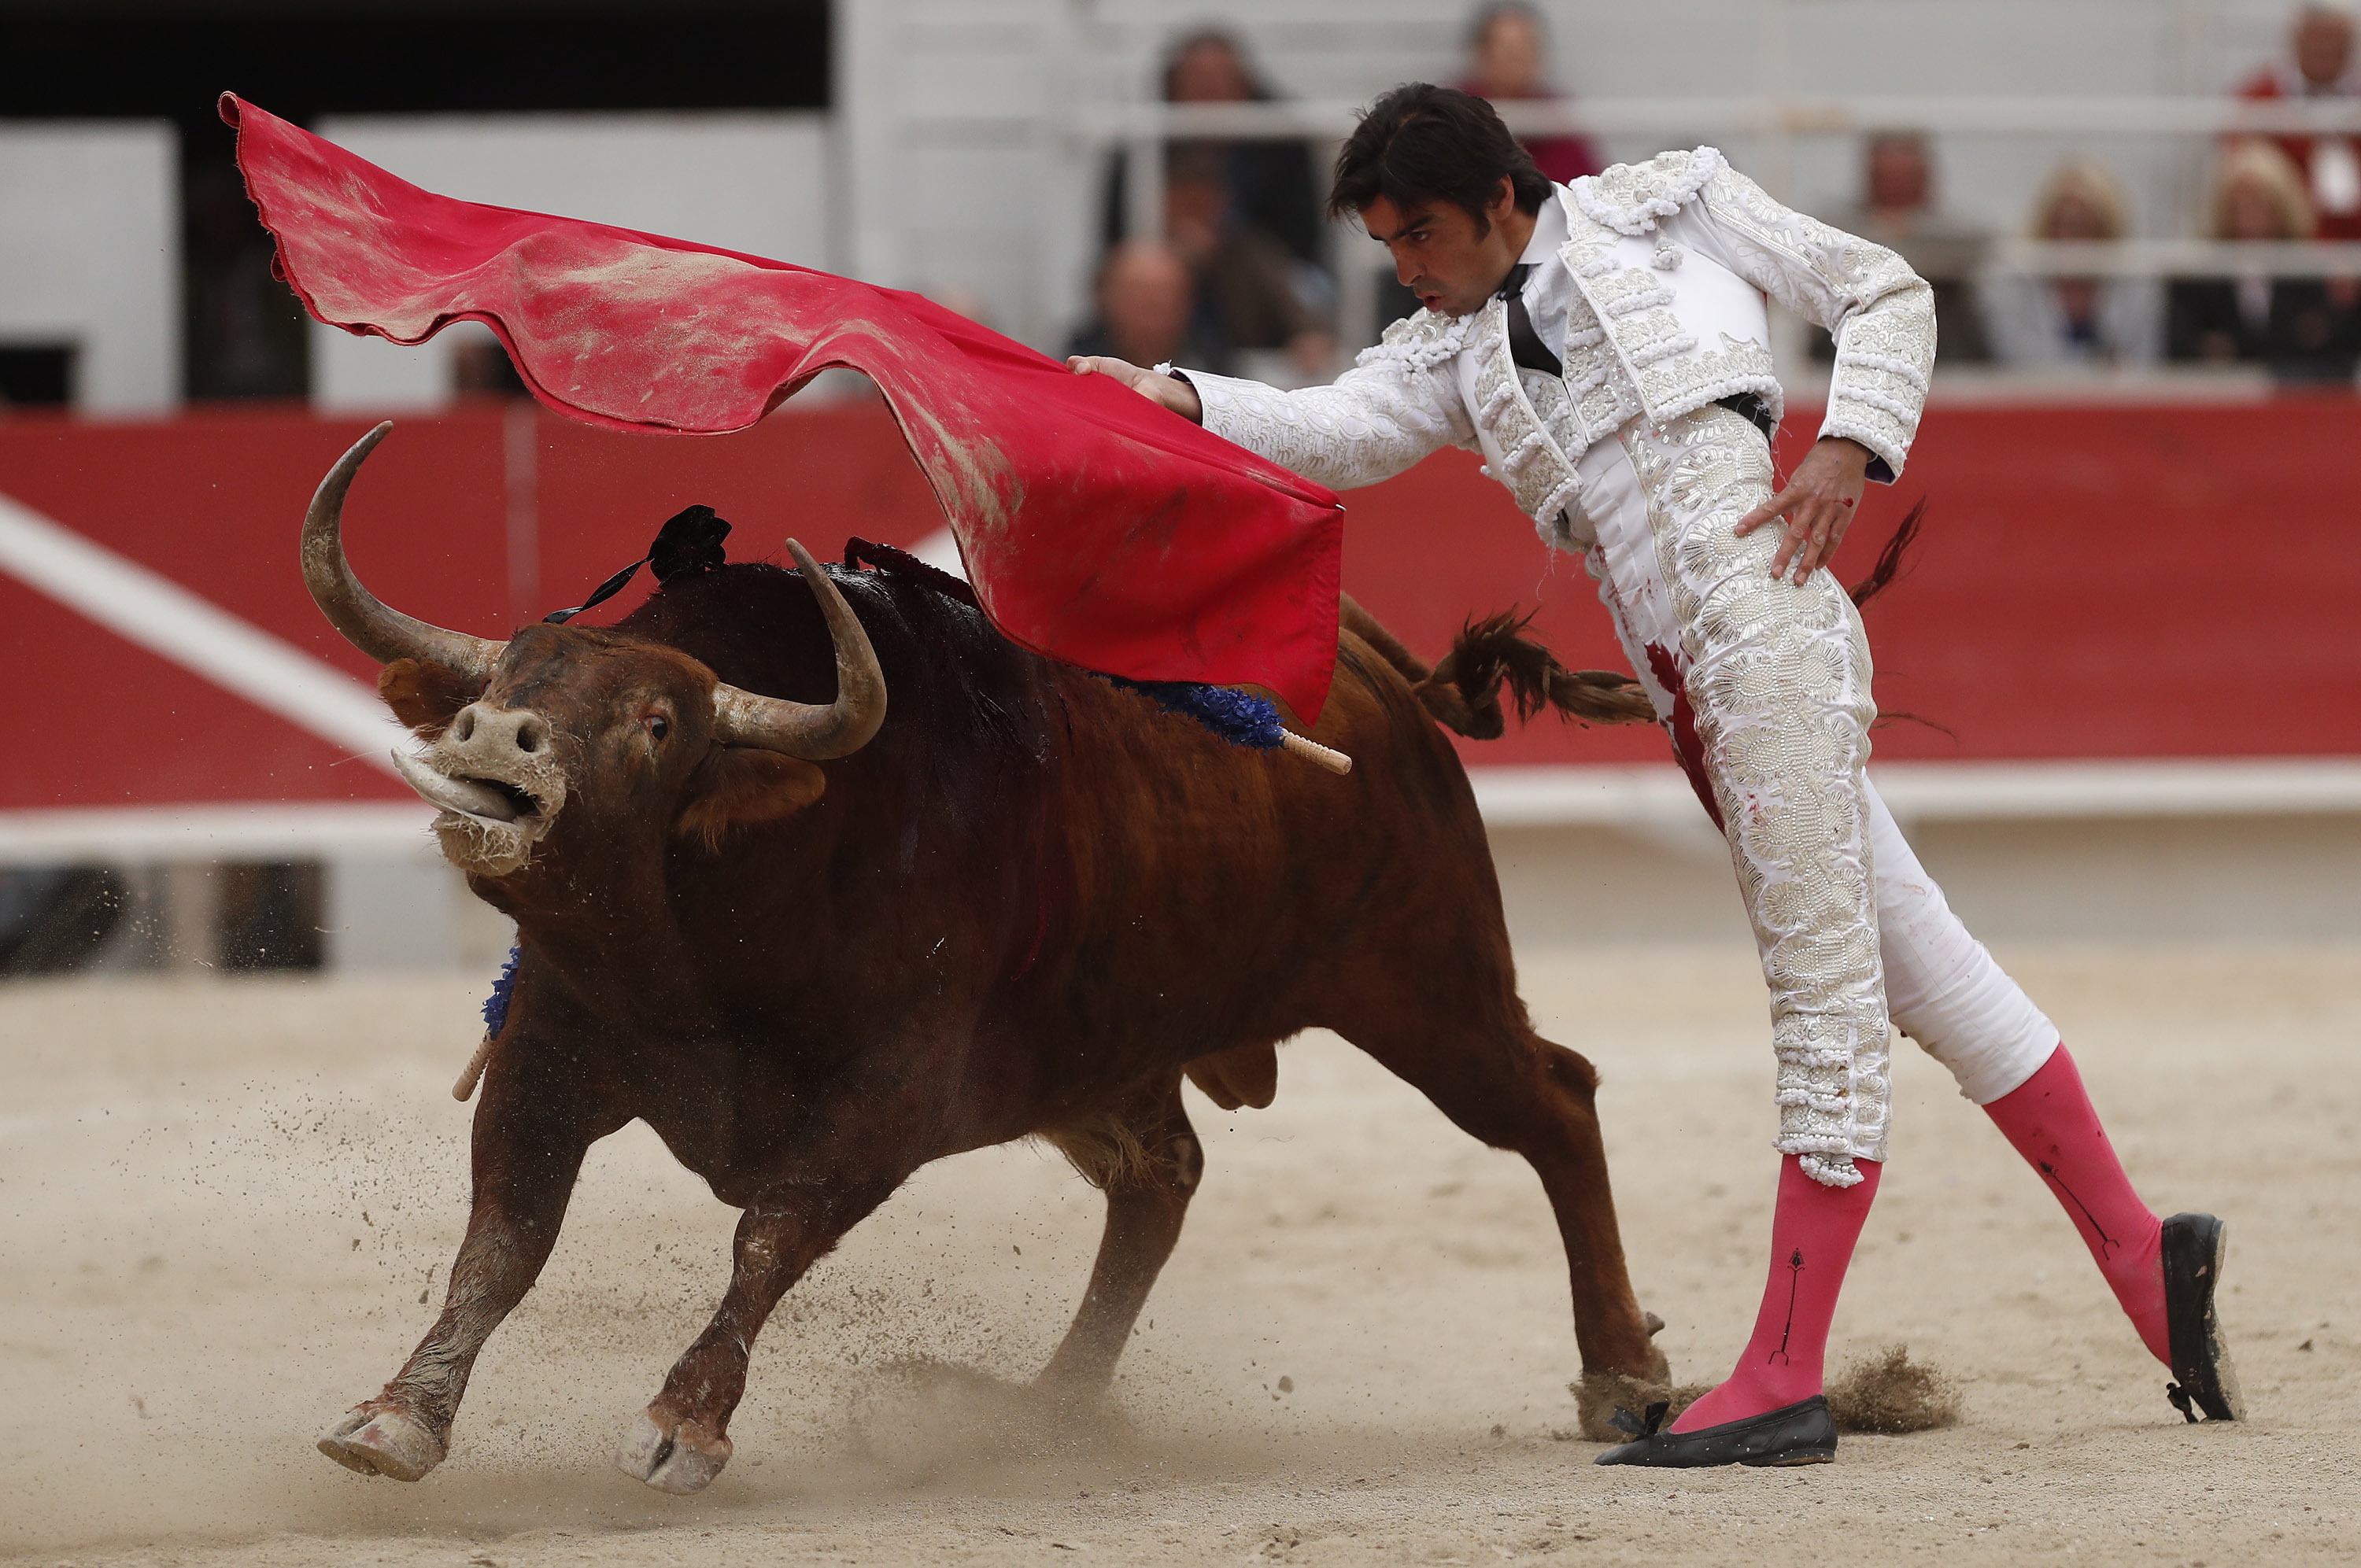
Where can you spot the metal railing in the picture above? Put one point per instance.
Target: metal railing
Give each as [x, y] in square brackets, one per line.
[1141, 129]
[2175, 259]
[1982, 114]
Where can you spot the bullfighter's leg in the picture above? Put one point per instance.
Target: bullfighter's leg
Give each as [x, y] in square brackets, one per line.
[681, 1441]
[530, 1135]
[1766, 687]
[1148, 1168]
[1947, 994]
[1458, 1034]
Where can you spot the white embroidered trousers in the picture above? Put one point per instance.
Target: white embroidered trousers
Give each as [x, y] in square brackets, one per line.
[1764, 686]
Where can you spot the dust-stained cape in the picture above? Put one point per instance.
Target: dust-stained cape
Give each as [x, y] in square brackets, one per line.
[1098, 527]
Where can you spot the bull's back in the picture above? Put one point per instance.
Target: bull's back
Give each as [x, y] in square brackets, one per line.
[1200, 864]
[1110, 869]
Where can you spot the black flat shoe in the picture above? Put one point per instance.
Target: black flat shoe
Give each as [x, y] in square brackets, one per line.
[1800, 1433]
[2193, 1248]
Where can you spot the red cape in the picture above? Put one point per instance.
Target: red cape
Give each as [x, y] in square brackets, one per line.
[1097, 527]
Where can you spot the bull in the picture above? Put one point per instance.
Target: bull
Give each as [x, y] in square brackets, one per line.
[815, 947]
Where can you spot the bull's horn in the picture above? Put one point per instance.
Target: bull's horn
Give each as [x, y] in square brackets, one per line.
[806, 729]
[383, 634]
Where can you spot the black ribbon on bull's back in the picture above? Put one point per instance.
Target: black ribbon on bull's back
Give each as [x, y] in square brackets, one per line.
[690, 540]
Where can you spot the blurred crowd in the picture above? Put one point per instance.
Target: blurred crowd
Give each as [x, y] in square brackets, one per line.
[1240, 282]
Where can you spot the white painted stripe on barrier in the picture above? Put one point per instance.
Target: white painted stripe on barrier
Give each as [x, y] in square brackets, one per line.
[284, 831]
[151, 610]
[1653, 795]
[940, 551]
[1649, 799]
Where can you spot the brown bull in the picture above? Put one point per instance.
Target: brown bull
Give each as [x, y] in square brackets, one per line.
[1025, 904]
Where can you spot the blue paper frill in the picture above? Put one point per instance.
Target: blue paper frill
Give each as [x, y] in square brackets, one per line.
[496, 1005]
[1240, 718]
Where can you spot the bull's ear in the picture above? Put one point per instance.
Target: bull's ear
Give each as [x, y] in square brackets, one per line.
[426, 696]
[738, 785]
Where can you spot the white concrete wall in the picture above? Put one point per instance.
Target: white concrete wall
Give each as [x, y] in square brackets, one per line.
[958, 176]
[755, 183]
[2262, 880]
[89, 255]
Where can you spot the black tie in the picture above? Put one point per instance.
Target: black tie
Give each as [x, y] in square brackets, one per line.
[1526, 346]
[1528, 353]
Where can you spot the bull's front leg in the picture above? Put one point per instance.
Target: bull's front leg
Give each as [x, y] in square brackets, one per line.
[530, 1134]
[681, 1441]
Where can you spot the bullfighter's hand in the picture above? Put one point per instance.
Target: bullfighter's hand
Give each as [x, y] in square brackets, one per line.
[1818, 505]
[1173, 391]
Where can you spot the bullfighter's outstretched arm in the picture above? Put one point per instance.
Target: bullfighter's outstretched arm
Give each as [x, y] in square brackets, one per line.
[1373, 421]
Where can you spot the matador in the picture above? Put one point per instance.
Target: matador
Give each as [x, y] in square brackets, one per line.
[1605, 345]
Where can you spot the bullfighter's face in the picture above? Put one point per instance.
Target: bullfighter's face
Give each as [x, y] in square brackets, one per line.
[1440, 254]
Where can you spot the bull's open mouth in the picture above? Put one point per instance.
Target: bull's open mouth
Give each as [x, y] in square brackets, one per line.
[494, 802]
[512, 805]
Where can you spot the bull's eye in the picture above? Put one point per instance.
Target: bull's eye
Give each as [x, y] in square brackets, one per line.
[658, 727]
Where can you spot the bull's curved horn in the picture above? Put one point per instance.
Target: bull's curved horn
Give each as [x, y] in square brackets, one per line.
[806, 729]
[383, 634]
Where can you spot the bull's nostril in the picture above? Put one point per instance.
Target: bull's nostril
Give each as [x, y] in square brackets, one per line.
[528, 737]
[466, 726]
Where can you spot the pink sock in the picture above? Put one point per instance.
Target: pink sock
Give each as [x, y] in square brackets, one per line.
[1812, 1234]
[2050, 1120]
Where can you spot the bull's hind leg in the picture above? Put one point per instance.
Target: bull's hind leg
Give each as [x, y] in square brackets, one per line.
[1148, 1161]
[531, 1133]
[1484, 1068]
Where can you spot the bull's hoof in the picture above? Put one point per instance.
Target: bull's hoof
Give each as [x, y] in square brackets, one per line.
[1599, 1394]
[680, 1460]
[383, 1442]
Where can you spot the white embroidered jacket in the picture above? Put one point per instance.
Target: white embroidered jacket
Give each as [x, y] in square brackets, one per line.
[1670, 261]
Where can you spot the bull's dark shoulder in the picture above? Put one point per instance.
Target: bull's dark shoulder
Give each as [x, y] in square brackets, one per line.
[952, 675]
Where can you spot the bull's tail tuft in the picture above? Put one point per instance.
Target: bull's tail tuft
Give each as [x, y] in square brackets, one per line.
[1893, 560]
[1464, 692]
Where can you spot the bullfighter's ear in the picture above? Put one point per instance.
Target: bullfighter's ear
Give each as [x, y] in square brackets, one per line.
[736, 787]
[426, 696]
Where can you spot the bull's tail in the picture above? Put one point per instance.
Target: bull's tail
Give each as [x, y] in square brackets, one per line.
[1893, 562]
[1463, 691]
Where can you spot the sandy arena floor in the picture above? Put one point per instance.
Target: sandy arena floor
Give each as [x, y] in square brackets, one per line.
[220, 1203]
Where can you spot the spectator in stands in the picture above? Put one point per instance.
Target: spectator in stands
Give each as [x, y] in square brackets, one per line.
[2305, 329]
[2075, 320]
[1146, 309]
[1508, 54]
[1897, 211]
[1245, 282]
[2322, 67]
[1270, 181]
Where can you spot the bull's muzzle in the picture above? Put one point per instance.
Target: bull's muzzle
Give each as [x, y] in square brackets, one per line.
[495, 774]
[502, 733]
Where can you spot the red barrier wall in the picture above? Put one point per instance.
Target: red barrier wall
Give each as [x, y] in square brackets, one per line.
[2094, 581]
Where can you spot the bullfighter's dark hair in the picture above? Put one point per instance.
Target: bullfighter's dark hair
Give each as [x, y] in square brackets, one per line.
[1422, 143]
